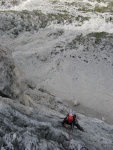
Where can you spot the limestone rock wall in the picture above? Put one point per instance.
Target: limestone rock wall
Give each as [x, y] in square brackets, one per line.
[10, 76]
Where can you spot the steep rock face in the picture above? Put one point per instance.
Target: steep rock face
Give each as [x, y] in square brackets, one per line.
[55, 60]
[37, 128]
[10, 76]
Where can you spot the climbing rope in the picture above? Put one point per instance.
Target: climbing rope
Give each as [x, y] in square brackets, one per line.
[70, 129]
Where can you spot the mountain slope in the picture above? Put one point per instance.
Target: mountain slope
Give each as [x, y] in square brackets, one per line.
[64, 51]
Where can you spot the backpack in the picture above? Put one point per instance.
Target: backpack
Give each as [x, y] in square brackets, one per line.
[70, 119]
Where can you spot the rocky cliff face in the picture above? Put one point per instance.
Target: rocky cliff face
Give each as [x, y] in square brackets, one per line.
[61, 58]
[38, 127]
[10, 76]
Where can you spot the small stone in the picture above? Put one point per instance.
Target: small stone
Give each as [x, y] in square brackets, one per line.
[74, 102]
[14, 136]
[103, 119]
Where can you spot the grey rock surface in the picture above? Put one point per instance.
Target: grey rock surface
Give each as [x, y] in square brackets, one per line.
[7, 4]
[66, 58]
[10, 76]
[14, 22]
[38, 126]
[33, 128]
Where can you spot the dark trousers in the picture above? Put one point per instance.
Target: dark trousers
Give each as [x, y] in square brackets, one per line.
[72, 124]
[79, 127]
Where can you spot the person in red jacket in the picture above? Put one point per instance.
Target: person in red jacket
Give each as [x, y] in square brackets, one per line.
[71, 120]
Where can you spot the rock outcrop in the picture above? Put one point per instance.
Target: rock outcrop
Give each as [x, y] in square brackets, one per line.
[37, 128]
[10, 3]
[10, 76]
[14, 22]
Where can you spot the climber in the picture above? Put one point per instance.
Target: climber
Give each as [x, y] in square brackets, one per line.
[71, 120]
